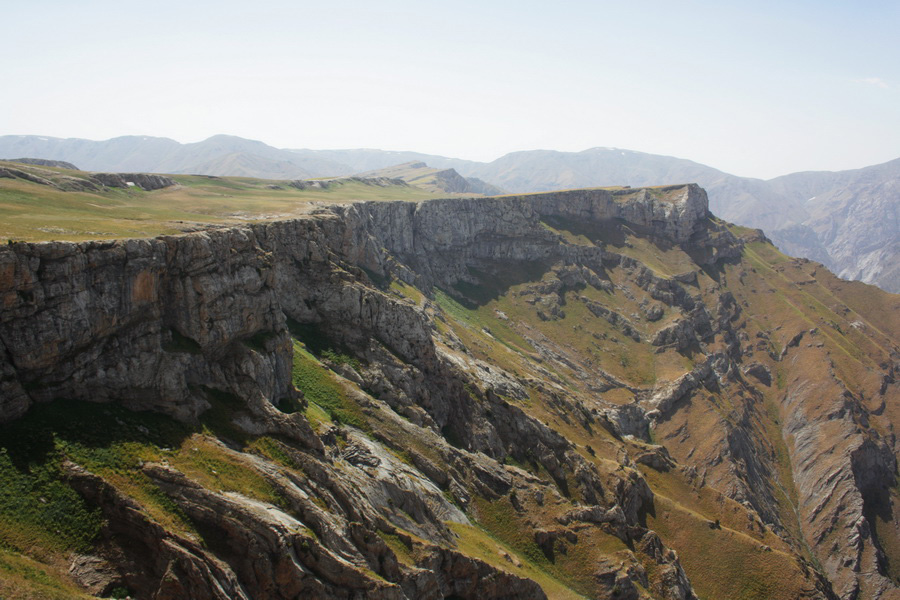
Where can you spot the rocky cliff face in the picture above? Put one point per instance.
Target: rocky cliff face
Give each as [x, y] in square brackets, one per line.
[859, 226]
[844, 219]
[167, 312]
[589, 376]
[172, 310]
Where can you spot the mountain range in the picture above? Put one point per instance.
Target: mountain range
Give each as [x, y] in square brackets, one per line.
[847, 220]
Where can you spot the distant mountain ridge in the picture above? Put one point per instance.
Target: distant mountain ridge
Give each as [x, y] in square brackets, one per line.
[847, 220]
[855, 215]
[218, 155]
[367, 159]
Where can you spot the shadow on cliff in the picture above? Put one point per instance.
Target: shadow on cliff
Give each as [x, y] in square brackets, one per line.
[108, 435]
[37, 505]
[611, 232]
[85, 431]
[879, 508]
[490, 281]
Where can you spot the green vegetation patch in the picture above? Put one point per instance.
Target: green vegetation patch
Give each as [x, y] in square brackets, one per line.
[402, 288]
[217, 469]
[320, 387]
[502, 521]
[495, 281]
[22, 578]
[34, 212]
[482, 318]
[402, 548]
[274, 450]
[500, 518]
[317, 342]
[37, 507]
[40, 511]
[476, 542]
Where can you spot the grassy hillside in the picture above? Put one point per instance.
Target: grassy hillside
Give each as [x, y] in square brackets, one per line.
[439, 181]
[32, 211]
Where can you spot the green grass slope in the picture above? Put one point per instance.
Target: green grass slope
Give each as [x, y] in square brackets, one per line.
[32, 211]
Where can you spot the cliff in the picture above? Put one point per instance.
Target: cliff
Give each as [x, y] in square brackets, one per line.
[148, 321]
[591, 391]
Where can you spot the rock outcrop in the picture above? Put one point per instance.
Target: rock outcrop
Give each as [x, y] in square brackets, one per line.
[146, 181]
[43, 162]
[31, 170]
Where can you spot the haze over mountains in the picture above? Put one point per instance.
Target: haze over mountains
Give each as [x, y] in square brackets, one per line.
[847, 220]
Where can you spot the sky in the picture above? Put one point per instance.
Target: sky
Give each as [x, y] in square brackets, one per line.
[757, 89]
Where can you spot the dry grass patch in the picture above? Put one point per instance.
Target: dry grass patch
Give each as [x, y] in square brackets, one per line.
[22, 578]
[205, 461]
[722, 563]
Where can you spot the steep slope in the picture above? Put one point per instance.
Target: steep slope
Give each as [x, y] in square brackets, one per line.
[854, 215]
[446, 181]
[598, 392]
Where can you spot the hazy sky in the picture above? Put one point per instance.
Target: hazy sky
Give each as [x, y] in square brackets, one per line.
[754, 88]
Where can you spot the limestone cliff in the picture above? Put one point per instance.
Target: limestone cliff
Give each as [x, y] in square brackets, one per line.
[148, 321]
